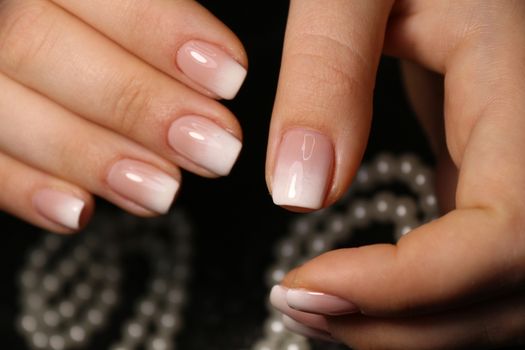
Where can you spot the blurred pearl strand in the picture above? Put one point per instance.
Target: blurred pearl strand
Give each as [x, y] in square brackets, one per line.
[66, 301]
[313, 234]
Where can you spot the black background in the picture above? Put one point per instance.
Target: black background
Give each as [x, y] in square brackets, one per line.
[235, 220]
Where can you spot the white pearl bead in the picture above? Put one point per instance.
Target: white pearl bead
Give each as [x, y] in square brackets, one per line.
[422, 181]
[383, 206]
[67, 268]
[57, 342]
[276, 273]
[176, 296]
[28, 323]
[169, 323]
[134, 330]
[83, 291]
[147, 308]
[405, 209]
[302, 227]
[359, 213]
[385, 167]
[40, 340]
[29, 279]
[295, 343]
[265, 344]
[405, 227]
[95, 317]
[81, 254]
[287, 249]
[52, 242]
[66, 309]
[159, 343]
[318, 244]
[34, 301]
[274, 326]
[38, 258]
[77, 334]
[51, 318]
[365, 177]
[108, 297]
[429, 205]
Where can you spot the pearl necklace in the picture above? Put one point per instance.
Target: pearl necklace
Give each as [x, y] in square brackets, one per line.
[66, 301]
[313, 234]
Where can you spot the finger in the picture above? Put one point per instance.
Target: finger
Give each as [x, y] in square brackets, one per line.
[93, 158]
[181, 38]
[322, 111]
[45, 48]
[494, 324]
[425, 92]
[41, 199]
[477, 249]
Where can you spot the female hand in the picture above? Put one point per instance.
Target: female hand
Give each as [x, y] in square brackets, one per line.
[457, 281]
[111, 99]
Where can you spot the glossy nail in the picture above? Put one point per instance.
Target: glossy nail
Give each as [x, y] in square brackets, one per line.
[278, 301]
[205, 143]
[296, 327]
[303, 166]
[211, 67]
[59, 207]
[143, 184]
[318, 303]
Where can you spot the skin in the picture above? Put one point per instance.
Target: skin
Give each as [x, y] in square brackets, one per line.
[455, 282]
[452, 283]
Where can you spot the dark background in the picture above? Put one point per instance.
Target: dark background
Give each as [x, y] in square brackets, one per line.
[235, 220]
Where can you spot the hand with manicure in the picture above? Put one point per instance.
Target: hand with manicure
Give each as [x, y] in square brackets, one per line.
[456, 282]
[111, 99]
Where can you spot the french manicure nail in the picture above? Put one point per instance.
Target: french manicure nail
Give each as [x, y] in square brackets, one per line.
[278, 300]
[318, 303]
[303, 166]
[211, 67]
[296, 327]
[205, 143]
[143, 184]
[59, 207]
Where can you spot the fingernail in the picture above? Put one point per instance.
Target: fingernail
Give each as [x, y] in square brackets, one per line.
[211, 67]
[205, 143]
[303, 165]
[296, 327]
[59, 207]
[318, 303]
[278, 300]
[143, 184]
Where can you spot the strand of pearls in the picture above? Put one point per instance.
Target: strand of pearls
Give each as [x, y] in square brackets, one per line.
[313, 234]
[67, 298]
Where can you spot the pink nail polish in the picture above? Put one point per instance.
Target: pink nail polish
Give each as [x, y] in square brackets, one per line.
[211, 67]
[143, 184]
[59, 207]
[303, 166]
[205, 143]
[299, 328]
[318, 303]
[278, 300]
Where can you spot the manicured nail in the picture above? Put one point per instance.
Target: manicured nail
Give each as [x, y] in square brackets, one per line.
[296, 327]
[59, 207]
[205, 143]
[143, 184]
[278, 300]
[211, 67]
[303, 166]
[318, 303]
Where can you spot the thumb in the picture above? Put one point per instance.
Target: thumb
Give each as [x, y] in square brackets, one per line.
[323, 107]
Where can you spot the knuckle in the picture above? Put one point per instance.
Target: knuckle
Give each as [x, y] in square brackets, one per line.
[131, 104]
[25, 31]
